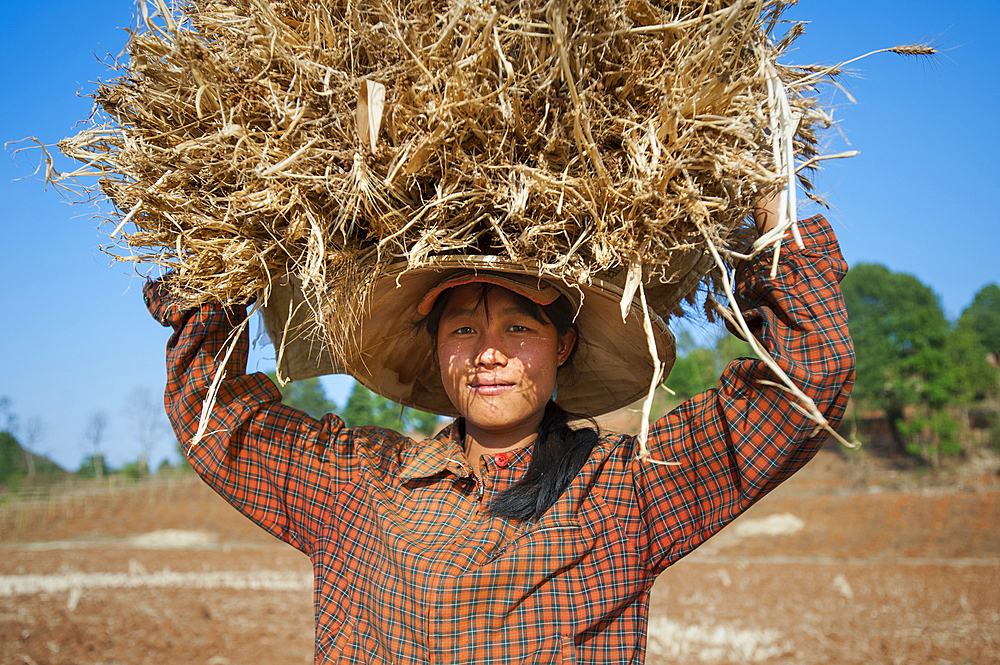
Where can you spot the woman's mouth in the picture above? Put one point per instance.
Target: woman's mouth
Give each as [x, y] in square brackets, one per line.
[489, 387]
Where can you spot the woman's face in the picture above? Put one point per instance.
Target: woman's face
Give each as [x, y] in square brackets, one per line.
[498, 364]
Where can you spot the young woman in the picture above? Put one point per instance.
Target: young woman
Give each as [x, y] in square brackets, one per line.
[510, 537]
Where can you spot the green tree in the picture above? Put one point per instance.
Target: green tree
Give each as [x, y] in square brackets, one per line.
[901, 338]
[34, 431]
[46, 468]
[983, 318]
[729, 348]
[365, 408]
[13, 454]
[8, 420]
[146, 414]
[698, 368]
[693, 373]
[307, 395]
[11, 458]
[94, 435]
[93, 466]
[974, 349]
[136, 470]
[184, 464]
[975, 377]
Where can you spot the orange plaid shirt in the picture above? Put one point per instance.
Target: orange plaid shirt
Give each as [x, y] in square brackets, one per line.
[410, 567]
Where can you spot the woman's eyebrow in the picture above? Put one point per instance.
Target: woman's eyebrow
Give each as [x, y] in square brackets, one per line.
[469, 312]
[515, 310]
[460, 313]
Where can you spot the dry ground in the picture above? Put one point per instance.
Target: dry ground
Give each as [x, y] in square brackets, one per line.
[847, 563]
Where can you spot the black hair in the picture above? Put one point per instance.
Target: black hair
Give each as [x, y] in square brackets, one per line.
[559, 451]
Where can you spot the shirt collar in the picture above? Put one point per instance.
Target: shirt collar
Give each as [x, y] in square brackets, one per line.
[443, 452]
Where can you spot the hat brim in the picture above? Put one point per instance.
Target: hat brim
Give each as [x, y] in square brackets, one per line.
[394, 358]
[535, 289]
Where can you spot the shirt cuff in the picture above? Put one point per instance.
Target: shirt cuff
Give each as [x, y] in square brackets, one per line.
[172, 312]
[818, 240]
[164, 307]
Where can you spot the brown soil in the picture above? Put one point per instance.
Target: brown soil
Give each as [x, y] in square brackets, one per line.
[849, 562]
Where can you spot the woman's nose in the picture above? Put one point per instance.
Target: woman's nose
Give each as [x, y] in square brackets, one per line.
[491, 354]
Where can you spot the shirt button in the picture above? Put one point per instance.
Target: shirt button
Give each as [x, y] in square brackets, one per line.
[502, 460]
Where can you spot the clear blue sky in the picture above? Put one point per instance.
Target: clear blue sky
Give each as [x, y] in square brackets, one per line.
[74, 334]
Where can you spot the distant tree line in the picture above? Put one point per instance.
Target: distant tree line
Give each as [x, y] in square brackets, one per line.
[933, 382]
[362, 409]
[23, 464]
[19, 460]
[146, 420]
[923, 373]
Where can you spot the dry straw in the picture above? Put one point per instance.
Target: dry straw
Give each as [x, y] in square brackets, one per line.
[249, 140]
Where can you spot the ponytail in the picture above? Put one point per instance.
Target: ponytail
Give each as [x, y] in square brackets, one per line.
[557, 456]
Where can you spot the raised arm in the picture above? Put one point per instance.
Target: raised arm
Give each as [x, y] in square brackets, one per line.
[737, 442]
[268, 460]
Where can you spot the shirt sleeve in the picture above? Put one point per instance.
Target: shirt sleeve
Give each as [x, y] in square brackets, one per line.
[268, 460]
[737, 442]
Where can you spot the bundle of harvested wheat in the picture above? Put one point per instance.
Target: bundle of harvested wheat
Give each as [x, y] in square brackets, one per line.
[249, 141]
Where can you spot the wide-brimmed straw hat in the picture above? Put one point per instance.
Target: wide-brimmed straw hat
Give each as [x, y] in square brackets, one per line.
[396, 358]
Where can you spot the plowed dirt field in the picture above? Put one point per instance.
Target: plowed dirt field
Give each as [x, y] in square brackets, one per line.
[846, 563]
